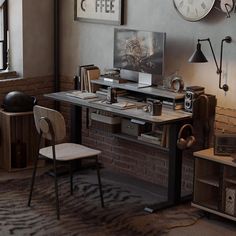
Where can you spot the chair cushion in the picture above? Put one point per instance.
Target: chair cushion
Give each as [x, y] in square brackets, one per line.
[69, 151]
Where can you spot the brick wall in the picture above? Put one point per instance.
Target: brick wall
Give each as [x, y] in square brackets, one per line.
[225, 120]
[138, 160]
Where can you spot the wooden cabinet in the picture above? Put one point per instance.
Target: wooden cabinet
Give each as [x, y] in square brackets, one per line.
[215, 184]
[18, 140]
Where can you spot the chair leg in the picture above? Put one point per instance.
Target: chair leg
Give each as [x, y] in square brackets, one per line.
[56, 190]
[71, 177]
[33, 179]
[99, 182]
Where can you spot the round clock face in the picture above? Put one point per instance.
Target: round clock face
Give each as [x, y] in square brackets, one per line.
[193, 10]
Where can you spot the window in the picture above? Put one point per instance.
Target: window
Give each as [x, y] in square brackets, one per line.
[4, 37]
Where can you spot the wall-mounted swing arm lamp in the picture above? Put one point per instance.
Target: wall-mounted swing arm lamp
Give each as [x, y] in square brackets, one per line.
[198, 57]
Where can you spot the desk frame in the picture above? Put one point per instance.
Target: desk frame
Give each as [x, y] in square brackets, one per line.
[175, 118]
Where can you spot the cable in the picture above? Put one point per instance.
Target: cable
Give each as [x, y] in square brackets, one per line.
[186, 225]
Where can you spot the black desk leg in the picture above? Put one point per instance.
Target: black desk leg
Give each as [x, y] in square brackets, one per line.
[175, 167]
[76, 124]
[76, 130]
[174, 173]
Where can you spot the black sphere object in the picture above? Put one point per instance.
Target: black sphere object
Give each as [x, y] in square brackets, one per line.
[17, 101]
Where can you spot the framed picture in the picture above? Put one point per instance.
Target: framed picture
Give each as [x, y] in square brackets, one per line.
[100, 11]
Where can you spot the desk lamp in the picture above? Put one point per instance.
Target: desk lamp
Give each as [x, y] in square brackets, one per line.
[198, 57]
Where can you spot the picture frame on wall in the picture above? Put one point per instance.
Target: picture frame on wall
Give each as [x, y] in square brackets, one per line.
[99, 11]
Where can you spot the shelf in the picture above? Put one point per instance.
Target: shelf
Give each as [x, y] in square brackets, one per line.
[208, 154]
[211, 204]
[135, 139]
[212, 175]
[231, 179]
[148, 90]
[211, 180]
[216, 212]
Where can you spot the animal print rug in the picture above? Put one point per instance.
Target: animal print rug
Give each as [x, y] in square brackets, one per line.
[81, 214]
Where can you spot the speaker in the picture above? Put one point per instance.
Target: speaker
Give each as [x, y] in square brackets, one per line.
[192, 93]
[204, 107]
[186, 138]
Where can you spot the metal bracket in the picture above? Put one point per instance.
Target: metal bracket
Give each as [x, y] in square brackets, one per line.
[227, 6]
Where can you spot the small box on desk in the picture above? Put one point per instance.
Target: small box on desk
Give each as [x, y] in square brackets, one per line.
[134, 127]
[110, 124]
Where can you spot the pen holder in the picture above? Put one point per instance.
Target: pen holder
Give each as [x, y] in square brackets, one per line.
[155, 107]
[111, 95]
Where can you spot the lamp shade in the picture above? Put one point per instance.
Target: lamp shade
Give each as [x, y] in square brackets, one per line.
[198, 56]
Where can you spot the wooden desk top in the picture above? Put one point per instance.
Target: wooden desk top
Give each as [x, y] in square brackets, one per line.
[16, 113]
[168, 115]
[208, 154]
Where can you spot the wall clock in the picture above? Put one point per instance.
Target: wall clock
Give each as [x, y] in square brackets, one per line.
[193, 10]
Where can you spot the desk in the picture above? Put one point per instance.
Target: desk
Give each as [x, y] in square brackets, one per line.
[175, 118]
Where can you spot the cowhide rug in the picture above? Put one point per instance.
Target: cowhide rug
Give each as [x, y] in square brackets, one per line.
[81, 214]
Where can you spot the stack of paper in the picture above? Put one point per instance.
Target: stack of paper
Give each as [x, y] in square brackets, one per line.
[124, 105]
[82, 95]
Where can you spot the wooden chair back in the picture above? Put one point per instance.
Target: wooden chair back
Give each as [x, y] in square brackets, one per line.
[42, 115]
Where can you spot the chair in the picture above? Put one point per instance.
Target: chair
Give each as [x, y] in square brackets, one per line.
[50, 125]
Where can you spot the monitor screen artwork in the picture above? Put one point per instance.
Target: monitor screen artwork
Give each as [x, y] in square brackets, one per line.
[140, 51]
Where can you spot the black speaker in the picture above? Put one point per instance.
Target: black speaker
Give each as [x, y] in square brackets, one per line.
[192, 92]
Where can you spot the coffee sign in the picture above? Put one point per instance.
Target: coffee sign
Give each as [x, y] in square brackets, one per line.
[102, 11]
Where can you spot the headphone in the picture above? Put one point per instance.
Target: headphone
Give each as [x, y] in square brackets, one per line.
[185, 143]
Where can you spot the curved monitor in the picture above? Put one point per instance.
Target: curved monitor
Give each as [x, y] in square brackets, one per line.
[140, 51]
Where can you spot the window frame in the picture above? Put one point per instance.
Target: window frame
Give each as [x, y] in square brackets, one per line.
[4, 41]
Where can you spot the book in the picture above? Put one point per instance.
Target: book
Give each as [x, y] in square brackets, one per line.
[93, 73]
[124, 105]
[101, 92]
[148, 140]
[82, 95]
[81, 74]
[153, 135]
[118, 105]
[88, 73]
[116, 80]
[176, 105]
[159, 135]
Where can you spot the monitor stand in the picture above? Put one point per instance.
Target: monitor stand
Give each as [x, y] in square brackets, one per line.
[144, 80]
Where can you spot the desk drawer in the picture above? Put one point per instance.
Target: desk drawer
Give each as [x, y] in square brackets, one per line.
[110, 124]
[134, 129]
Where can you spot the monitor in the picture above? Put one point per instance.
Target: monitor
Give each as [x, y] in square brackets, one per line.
[139, 51]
